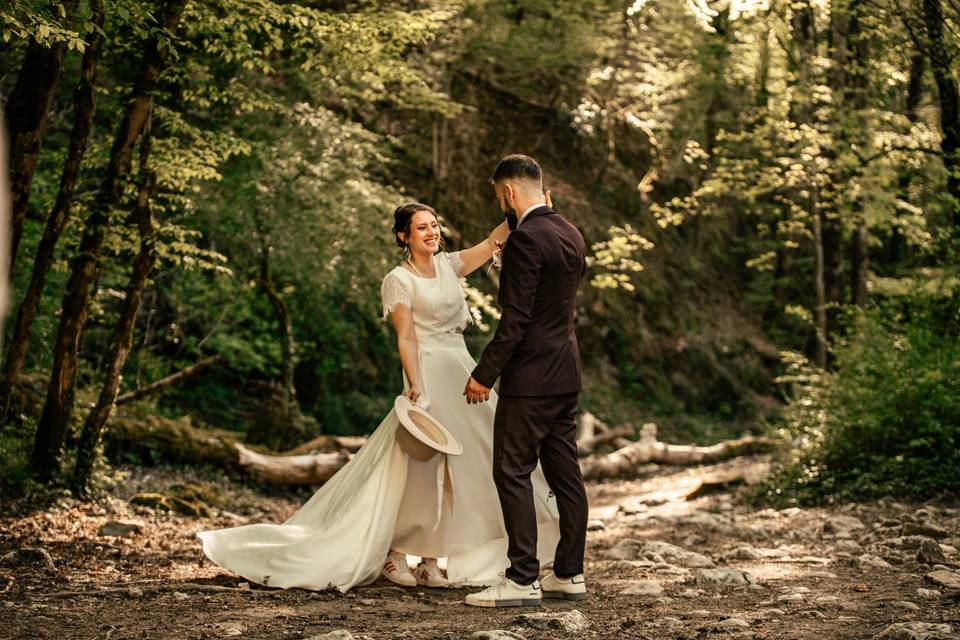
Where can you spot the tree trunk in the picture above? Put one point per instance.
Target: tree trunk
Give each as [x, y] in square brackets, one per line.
[283, 319]
[59, 404]
[27, 111]
[859, 264]
[123, 334]
[624, 462]
[897, 246]
[820, 311]
[84, 107]
[949, 100]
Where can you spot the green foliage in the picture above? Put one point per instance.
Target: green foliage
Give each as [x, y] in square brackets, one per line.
[884, 422]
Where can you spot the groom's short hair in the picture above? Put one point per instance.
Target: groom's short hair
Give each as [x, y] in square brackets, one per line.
[517, 166]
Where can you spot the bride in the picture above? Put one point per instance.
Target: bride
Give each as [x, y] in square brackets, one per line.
[382, 505]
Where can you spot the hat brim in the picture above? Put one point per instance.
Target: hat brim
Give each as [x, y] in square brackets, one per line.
[425, 428]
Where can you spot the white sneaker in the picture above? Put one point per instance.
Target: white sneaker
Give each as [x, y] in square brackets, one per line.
[428, 574]
[396, 570]
[507, 593]
[574, 588]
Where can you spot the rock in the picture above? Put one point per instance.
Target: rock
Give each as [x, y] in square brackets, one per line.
[670, 569]
[949, 549]
[495, 634]
[657, 551]
[926, 528]
[633, 509]
[708, 521]
[135, 592]
[848, 546]
[180, 596]
[869, 560]
[826, 599]
[842, 524]
[568, 621]
[791, 597]
[743, 553]
[821, 574]
[596, 525]
[813, 613]
[21, 556]
[915, 631]
[118, 529]
[944, 578]
[770, 614]
[691, 593]
[630, 565]
[643, 588]
[928, 593]
[904, 605]
[930, 552]
[732, 623]
[338, 634]
[723, 578]
[699, 613]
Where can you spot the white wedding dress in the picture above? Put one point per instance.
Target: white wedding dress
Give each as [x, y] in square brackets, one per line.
[382, 498]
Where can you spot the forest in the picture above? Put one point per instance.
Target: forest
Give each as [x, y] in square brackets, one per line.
[201, 203]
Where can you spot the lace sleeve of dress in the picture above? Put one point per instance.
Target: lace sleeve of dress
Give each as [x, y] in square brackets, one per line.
[393, 291]
[455, 261]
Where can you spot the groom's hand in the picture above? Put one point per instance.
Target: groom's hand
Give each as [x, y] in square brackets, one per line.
[476, 392]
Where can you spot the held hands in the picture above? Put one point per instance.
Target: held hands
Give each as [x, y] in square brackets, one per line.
[476, 392]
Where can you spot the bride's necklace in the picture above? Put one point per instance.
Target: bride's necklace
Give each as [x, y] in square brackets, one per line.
[417, 271]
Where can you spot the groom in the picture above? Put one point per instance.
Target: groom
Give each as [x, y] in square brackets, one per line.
[534, 353]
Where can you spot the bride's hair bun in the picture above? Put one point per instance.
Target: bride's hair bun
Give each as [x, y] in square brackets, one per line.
[402, 216]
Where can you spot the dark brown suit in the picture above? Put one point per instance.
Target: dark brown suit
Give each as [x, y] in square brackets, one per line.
[534, 353]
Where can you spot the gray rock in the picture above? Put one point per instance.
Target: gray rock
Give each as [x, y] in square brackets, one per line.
[630, 565]
[848, 546]
[732, 623]
[643, 588]
[496, 634]
[568, 621]
[926, 528]
[596, 525]
[135, 592]
[845, 524]
[928, 593]
[930, 553]
[180, 596]
[904, 605]
[743, 553]
[790, 598]
[670, 569]
[827, 575]
[916, 631]
[871, 561]
[657, 551]
[691, 593]
[944, 578]
[827, 599]
[708, 521]
[699, 613]
[119, 529]
[723, 578]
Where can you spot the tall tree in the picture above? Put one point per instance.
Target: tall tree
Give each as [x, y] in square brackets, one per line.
[58, 406]
[84, 107]
[27, 113]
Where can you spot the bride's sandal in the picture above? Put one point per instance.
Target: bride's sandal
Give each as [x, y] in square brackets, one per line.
[396, 570]
[428, 574]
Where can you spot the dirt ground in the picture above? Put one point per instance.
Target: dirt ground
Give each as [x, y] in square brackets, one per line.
[841, 572]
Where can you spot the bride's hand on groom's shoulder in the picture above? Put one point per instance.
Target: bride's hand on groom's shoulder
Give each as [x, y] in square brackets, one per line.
[548, 200]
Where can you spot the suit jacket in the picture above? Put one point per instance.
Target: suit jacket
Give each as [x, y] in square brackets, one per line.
[534, 351]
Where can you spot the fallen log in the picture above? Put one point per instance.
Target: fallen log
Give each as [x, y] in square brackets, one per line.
[610, 436]
[169, 380]
[153, 439]
[623, 462]
[305, 469]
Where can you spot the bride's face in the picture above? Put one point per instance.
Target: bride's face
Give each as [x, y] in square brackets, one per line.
[424, 235]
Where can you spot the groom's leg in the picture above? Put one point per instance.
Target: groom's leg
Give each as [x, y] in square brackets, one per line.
[558, 455]
[515, 440]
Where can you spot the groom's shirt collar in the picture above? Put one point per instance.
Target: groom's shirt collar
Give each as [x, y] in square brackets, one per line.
[528, 210]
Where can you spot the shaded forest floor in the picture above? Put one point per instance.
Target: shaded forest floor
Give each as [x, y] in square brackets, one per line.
[839, 572]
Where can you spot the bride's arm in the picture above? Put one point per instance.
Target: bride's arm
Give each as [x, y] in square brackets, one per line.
[477, 255]
[402, 319]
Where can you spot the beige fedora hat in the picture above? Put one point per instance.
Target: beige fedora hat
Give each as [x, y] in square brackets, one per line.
[422, 437]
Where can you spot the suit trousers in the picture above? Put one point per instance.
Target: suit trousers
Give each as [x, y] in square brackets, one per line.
[525, 430]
